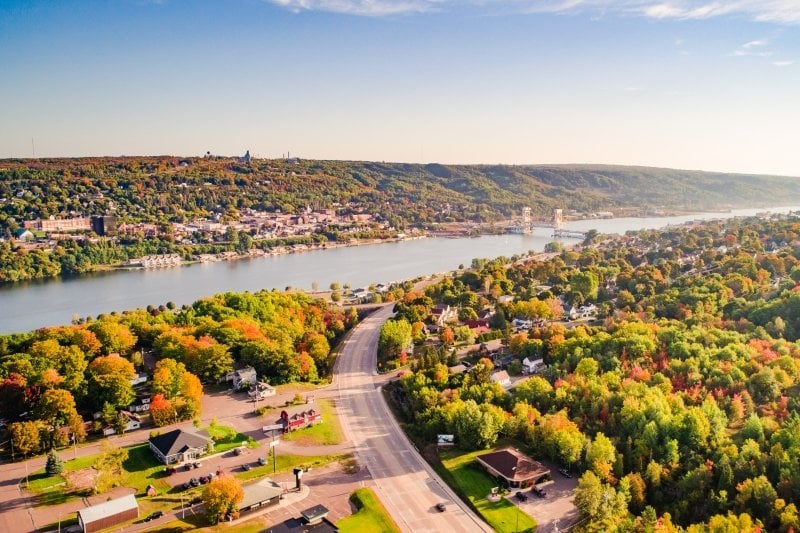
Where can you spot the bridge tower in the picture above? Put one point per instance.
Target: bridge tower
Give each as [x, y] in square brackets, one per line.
[558, 218]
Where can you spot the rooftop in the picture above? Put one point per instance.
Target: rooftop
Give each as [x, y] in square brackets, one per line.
[259, 492]
[109, 508]
[513, 464]
[177, 441]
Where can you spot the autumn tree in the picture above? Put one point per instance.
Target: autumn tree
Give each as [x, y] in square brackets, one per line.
[25, 437]
[110, 381]
[56, 408]
[221, 497]
[115, 337]
[109, 466]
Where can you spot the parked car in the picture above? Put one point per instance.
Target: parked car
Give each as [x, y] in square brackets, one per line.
[170, 470]
[194, 482]
[262, 461]
[440, 507]
[154, 515]
[521, 496]
[466, 364]
[196, 465]
[186, 486]
[204, 480]
[564, 472]
[246, 467]
[238, 451]
[196, 500]
[539, 492]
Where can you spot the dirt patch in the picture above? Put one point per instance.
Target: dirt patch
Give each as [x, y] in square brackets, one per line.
[350, 466]
[82, 480]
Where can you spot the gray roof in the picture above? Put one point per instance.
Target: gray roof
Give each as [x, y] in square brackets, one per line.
[177, 441]
[258, 492]
[109, 508]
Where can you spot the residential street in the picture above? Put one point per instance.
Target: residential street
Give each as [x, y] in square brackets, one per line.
[406, 485]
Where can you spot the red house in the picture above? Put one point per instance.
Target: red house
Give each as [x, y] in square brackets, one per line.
[299, 419]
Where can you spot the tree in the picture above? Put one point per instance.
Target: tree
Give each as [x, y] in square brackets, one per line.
[110, 381]
[476, 426]
[54, 464]
[395, 336]
[120, 423]
[221, 497]
[600, 456]
[554, 247]
[586, 284]
[109, 467]
[56, 409]
[162, 412]
[25, 437]
[114, 336]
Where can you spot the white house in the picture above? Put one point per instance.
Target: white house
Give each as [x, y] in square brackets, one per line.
[502, 378]
[532, 366]
[242, 377]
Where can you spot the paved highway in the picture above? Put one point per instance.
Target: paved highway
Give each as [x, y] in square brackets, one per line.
[406, 484]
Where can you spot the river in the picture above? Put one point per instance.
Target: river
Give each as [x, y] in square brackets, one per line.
[30, 305]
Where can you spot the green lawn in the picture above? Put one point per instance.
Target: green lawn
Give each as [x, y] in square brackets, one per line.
[226, 438]
[286, 462]
[371, 514]
[473, 484]
[325, 433]
[141, 470]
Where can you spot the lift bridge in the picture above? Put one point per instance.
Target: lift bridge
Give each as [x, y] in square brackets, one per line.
[527, 224]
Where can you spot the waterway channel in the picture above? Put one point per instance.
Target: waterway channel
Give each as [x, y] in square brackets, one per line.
[31, 305]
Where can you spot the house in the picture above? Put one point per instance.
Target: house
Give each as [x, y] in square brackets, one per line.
[293, 419]
[532, 366]
[141, 404]
[441, 314]
[261, 391]
[521, 324]
[260, 494]
[242, 378]
[179, 445]
[457, 369]
[501, 378]
[24, 235]
[108, 514]
[505, 299]
[516, 468]
[134, 422]
[584, 311]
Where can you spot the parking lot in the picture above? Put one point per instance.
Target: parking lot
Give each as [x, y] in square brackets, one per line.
[556, 509]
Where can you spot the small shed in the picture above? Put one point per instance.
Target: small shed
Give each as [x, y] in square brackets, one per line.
[108, 514]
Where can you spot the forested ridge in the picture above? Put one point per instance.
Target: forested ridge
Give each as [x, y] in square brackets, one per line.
[163, 189]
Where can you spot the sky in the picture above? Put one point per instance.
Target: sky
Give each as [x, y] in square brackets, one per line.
[695, 84]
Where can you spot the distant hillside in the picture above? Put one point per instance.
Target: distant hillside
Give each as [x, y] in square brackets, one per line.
[162, 189]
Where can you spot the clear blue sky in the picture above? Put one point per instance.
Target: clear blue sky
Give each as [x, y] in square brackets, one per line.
[677, 83]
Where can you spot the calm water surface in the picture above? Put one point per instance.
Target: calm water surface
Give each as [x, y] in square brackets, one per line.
[27, 306]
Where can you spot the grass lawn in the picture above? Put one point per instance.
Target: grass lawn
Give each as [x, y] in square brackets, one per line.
[226, 438]
[371, 514]
[141, 469]
[325, 433]
[473, 484]
[287, 462]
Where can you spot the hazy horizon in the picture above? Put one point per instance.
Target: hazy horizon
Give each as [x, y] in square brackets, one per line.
[682, 84]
